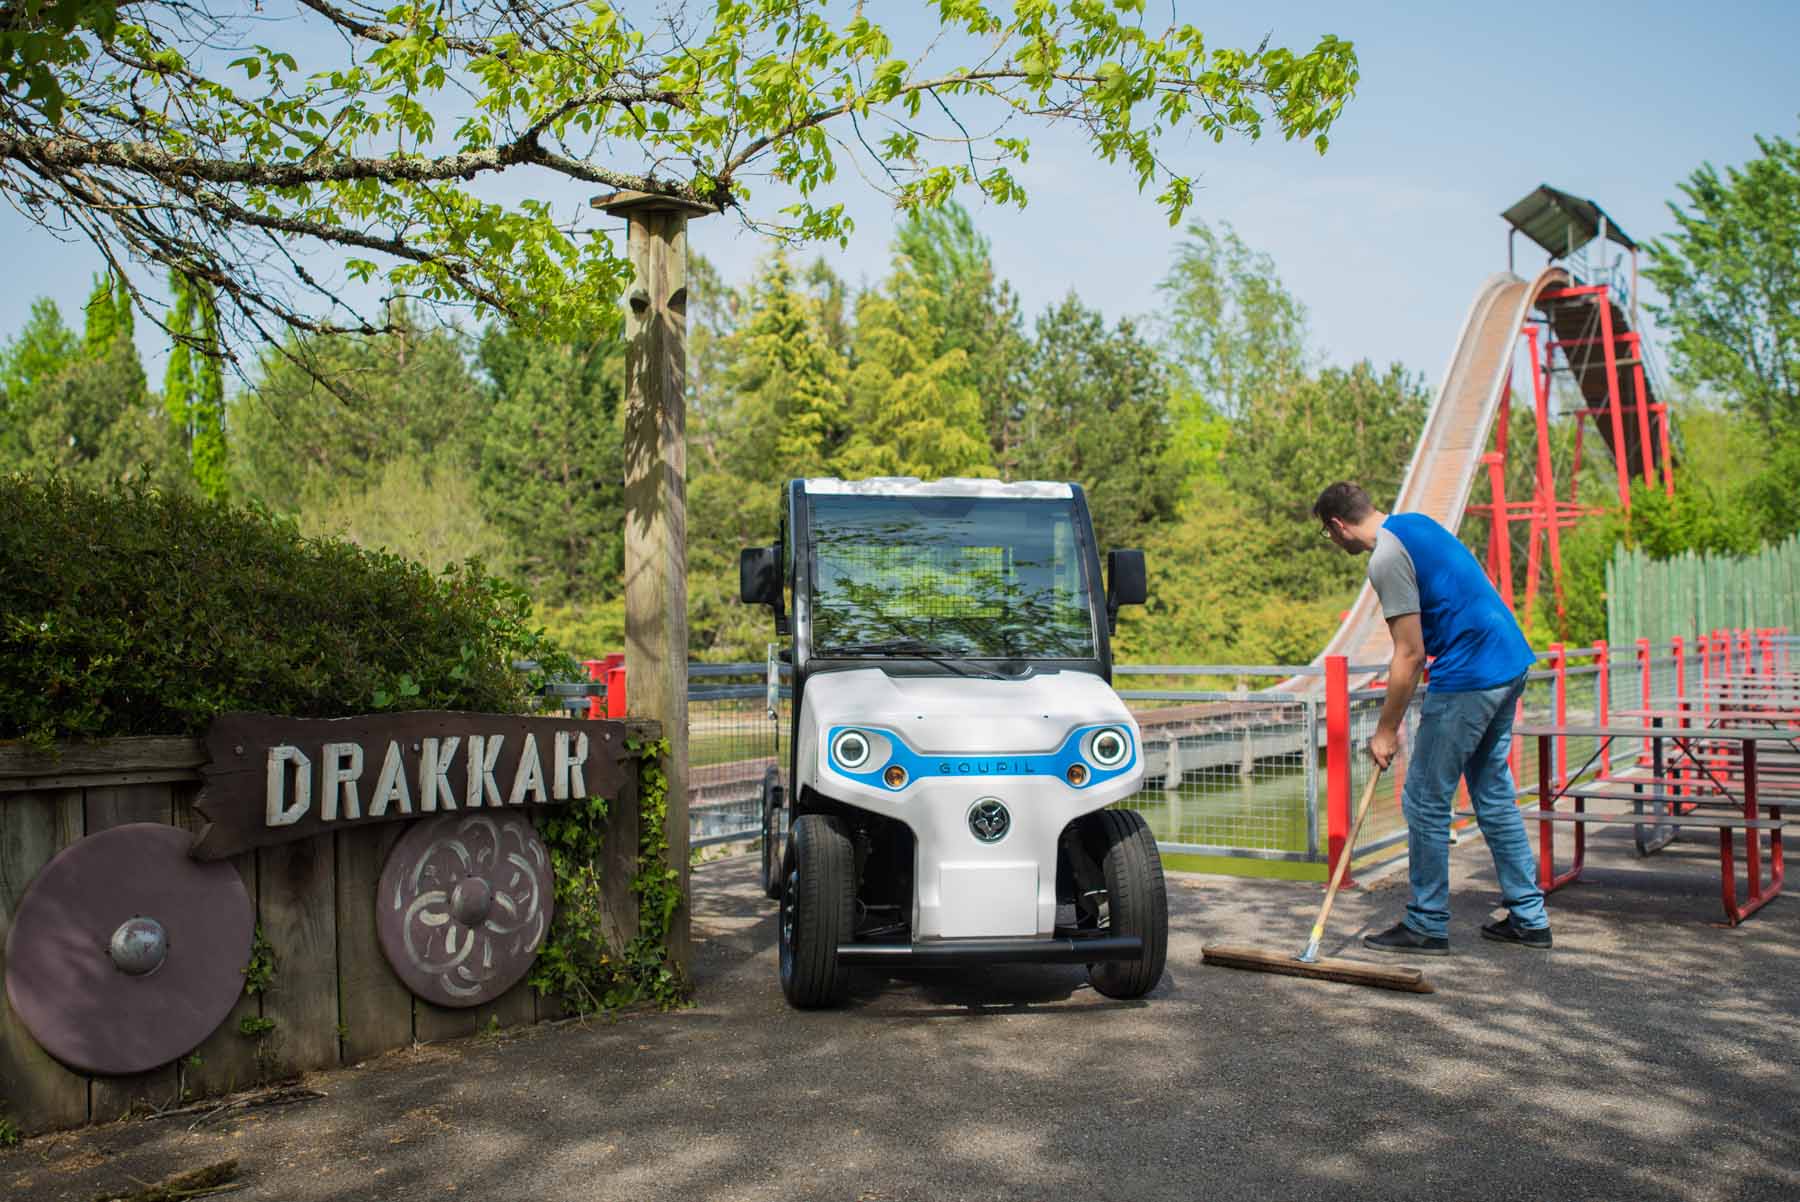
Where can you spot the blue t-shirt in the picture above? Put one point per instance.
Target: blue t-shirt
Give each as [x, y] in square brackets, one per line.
[1420, 567]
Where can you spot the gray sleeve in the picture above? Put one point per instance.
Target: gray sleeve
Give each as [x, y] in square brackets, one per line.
[1391, 572]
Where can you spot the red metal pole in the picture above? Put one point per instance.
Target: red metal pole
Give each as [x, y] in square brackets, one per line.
[1499, 532]
[1662, 418]
[1559, 664]
[1612, 401]
[1644, 690]
[1679, 647]
[1752, 811]
[1546, 840]
[1602, 693]
[1337, 758]
[1768, 652]
[1540, 390]
[1636, 342]
[1705, 648]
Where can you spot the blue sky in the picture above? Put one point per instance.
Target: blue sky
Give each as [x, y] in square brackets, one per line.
[1386, 238]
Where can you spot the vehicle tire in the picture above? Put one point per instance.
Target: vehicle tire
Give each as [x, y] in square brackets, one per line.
[1137, 903]
[818, 899]
[774, 832]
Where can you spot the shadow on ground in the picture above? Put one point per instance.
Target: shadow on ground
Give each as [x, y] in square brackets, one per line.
[1650, 1056]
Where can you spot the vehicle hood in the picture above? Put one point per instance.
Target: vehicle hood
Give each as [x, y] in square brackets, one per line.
[966, 714]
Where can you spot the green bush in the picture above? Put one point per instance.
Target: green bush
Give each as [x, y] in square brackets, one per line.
[140, 612]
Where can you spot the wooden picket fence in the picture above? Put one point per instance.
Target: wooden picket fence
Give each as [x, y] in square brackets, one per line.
[1692, 594]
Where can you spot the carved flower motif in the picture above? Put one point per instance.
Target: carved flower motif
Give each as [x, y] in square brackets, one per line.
[470, 903]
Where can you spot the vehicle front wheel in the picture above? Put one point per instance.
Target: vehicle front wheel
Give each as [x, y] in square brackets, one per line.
[818, 899]
[774, 832]
[1136, 903]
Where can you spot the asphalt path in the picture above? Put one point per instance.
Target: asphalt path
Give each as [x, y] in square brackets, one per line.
[1651, 1055]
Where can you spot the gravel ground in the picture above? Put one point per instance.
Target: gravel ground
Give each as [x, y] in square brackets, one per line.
[1650, 1056]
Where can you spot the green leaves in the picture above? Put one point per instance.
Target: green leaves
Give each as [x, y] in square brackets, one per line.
[374, 140]
[576, 963]
[1731, 281]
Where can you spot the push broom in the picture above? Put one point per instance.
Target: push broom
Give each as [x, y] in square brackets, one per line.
[1308, 963]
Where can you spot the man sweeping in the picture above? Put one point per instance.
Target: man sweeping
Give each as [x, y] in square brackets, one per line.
[1437, 601]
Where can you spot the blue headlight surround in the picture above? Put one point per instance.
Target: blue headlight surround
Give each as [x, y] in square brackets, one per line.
[974, 767]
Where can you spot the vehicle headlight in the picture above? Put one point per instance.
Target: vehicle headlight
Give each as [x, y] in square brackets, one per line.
[1109, 747]
[851, 749]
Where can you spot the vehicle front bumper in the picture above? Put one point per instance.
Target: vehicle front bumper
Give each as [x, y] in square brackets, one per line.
[1056, 949]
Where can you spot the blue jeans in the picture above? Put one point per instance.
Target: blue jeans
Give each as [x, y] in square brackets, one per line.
[1466, 735]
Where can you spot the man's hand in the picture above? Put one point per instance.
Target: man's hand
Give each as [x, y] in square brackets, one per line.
[1384, 745]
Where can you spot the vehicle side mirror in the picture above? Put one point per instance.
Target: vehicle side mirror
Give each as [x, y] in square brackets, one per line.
[1126, 584]
[759, 580]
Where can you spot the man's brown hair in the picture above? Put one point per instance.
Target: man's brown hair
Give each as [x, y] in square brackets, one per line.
[1345, 501]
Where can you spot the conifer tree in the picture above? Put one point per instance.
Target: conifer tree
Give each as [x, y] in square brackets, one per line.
[1098, 414]
[206, 408]
[786, 382]
[101, 326]
[974, 311]
[912, 413]
[551, 475]
[178, 375]
[194, 384]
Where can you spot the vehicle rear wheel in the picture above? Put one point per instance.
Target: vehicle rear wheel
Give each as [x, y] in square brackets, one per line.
[818, 899]
[1136, 903]
[774, 832]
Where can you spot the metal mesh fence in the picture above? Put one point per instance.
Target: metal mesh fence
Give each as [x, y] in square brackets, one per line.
[732, 742]
[1229, 773]
[1233, 772]
[1385, 827]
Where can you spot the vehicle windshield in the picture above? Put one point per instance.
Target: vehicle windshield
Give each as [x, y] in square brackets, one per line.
[959, 577]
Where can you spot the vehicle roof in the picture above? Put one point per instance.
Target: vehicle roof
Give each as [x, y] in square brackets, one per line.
[955, 486]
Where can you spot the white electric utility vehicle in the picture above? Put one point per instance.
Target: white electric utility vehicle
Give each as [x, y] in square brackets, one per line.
[956, 740]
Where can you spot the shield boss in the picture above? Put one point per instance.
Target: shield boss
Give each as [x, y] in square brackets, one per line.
[125, 953]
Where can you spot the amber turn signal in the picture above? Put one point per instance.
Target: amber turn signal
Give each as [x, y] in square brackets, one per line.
[895, 776]
[1078, 774]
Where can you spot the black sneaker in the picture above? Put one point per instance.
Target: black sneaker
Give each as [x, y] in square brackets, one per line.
[1403, 939]
[1506, 930]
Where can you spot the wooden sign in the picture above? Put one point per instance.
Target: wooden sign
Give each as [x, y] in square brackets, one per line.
[273, 780]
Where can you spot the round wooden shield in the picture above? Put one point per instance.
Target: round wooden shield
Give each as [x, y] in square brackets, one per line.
[463, 905]
[125, 953]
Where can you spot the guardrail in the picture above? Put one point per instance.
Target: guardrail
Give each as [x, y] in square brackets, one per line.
[1248, 780]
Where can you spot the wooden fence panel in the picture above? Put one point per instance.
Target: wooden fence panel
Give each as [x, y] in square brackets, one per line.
[226, 1060]
[41, 1095]
[299, 920]
[1689, 595]
[513, 1008]
[375, 1009]
[333, 997]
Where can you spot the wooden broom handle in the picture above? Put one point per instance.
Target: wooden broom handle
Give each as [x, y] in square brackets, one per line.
[1343, 864]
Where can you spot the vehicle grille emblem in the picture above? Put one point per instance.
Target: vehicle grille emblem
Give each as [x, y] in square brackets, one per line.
[989, 821]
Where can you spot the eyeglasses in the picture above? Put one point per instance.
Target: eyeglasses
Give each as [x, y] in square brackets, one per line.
[1326, 532]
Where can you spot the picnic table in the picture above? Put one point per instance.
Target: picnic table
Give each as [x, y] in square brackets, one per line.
[1726, 770]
